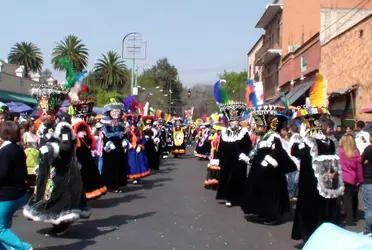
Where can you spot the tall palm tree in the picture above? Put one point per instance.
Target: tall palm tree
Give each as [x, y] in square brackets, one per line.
[111, 71]
[72, 48]
[28, 55]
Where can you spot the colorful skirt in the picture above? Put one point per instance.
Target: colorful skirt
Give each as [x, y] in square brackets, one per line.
[138, 166]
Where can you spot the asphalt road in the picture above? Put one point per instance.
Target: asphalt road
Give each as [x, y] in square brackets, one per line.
[168, 210]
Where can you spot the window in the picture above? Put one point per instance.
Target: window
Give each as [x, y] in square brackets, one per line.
[303, 63]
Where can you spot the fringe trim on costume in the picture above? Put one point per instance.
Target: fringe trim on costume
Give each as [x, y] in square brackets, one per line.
[234, 137]
[68, 216]
[201, 156]
[138, 176]
[96, 193]
[179, 151]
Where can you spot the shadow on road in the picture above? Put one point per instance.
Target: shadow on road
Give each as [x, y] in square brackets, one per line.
[91, 229]
[114, 200]
[76, 245]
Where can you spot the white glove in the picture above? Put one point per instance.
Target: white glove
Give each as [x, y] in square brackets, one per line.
[269, 160]
[303, 130]
[109, 146]
[156, 140]
[214, 162]
[244, 157]
[44, 150]
[138, 149]
[124, 143]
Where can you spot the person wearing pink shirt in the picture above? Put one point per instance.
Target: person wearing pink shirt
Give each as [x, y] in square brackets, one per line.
[352, 176]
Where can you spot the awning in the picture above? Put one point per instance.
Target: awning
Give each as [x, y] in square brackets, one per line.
[298, 91]
[367, 108]
[7, 96]
[343, 91]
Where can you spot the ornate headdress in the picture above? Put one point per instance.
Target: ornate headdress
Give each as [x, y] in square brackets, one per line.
[50, 97]
[271, 116]
[315, 114]
[232, 110]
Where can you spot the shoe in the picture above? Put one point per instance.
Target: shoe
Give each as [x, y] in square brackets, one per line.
[135, 182]
[26, 246]
[58, 230]
[228, 204]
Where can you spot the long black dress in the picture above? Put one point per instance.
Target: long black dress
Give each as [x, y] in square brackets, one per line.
[233, 171]
[58, 195]
[153, 155]
[92, 181]
[312, 209]
[266, 186]
[115, 160]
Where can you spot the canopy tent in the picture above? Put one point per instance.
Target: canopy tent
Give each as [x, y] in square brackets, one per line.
[7, 96]
[18, 107]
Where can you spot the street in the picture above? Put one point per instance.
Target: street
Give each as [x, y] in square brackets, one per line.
[168, 210]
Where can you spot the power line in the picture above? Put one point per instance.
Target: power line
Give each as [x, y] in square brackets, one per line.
[352, 9]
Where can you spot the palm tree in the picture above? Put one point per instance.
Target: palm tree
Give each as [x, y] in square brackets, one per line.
[28, 55]
[72, 48]
[111, 71]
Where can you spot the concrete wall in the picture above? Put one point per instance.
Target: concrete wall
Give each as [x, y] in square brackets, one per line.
[302, 18]
[290, 68]
[252, 69]
[346, 61]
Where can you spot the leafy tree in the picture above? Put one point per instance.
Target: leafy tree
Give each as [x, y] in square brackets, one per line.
[235, 84]
[111, 72]
[28, 55]
[164, 76]
[72, 48]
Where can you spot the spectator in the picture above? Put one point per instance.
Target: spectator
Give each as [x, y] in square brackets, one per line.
[361, 137]
[349, 131]
[12, 183]
[338, 133]
[352, 176]
[367, 184]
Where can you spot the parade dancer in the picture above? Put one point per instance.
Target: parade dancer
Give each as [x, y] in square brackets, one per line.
[80, 110]
[203, 144]
[266, 195]
[320, 180]
[138, 165]
[58, 194]
[151, 142]
[213, 170]
[113, 148]
[234, 144]
[178, 136]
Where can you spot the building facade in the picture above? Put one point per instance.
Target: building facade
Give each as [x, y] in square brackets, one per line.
[254, 72]
[346, 61]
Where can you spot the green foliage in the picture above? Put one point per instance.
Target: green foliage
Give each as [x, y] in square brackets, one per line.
[28, 55]
[111, 72]
[72, 48]
[235, 84]
[103, 96]
[162, 79]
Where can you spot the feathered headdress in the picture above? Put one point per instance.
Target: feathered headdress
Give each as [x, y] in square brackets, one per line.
[250, 95]
[220, 93]
[318, 92]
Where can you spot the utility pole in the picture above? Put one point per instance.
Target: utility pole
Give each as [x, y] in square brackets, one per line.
[133, 48]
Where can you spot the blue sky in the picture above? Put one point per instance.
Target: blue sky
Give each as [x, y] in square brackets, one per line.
[200, 37]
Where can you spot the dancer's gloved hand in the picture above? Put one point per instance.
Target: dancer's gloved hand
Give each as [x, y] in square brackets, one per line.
[269, 160]
[124, 143]
[244, 157]
[81, 134]
[303, 130]
[138, 149]
[109, 146]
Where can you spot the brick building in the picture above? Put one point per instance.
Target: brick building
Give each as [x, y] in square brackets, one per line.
[346, 61]
[254, 72]
[294, 33]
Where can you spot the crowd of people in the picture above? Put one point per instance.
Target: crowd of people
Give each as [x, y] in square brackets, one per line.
[53, 163]
[278, 158]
